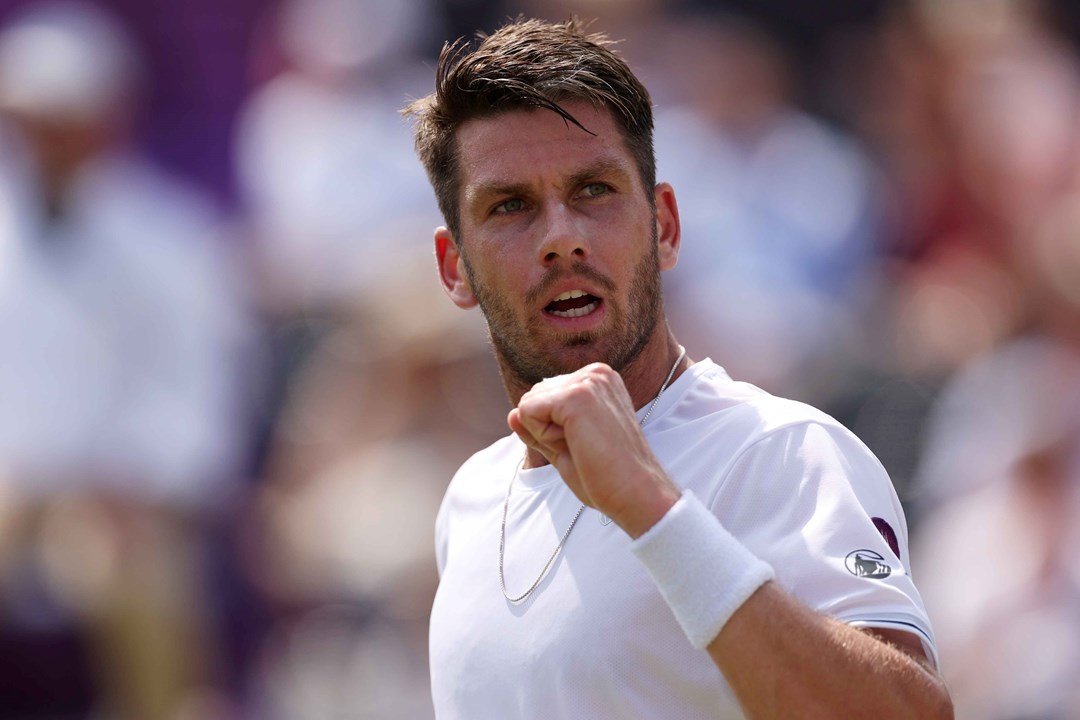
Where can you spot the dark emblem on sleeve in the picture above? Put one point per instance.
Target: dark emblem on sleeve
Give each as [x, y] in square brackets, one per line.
[867, 564]
[888, 533]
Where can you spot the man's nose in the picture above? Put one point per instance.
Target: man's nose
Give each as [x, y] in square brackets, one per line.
[564, 237]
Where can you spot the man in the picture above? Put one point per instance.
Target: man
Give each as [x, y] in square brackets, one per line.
[646, 507]
[123, 420]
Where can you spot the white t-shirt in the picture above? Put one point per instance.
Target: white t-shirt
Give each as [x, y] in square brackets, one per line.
[596, 640]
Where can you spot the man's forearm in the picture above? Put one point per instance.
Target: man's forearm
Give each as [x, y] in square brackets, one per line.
[784, 660]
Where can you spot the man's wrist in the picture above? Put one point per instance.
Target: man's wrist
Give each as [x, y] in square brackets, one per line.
[639, 516]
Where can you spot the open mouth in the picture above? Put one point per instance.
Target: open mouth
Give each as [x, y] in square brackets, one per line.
[572, 304]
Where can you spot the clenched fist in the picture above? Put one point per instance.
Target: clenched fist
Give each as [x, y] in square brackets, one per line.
[583, 423]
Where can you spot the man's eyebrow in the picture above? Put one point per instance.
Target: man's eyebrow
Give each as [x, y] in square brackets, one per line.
[600, 168]
[492, 189]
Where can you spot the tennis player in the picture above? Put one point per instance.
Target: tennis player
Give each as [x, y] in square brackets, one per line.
[654, 539]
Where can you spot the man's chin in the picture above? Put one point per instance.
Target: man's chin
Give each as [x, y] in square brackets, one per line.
[539, 366]
[576, 355]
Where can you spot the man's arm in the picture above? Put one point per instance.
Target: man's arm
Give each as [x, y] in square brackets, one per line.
[782, 659]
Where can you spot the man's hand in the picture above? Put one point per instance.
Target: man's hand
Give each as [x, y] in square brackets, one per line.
[583, 423]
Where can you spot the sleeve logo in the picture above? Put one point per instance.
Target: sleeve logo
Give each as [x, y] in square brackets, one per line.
[888, 533]
[867, 564]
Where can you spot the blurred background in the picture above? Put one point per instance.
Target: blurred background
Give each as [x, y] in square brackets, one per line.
[232, 393]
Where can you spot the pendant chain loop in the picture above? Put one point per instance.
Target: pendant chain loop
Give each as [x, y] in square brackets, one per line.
[558, 548]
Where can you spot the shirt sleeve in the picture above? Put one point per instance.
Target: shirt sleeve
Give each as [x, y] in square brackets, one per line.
[814, 502]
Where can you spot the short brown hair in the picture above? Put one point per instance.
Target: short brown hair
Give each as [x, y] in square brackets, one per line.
[527, 64]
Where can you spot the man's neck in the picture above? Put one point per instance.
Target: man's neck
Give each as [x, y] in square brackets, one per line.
[643, 377]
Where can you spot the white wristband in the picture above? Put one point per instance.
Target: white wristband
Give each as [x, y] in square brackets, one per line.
[702, 571]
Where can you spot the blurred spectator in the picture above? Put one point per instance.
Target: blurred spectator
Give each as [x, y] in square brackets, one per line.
[979, 140]
[382, 385]
[1000, 494]
[325, 163]
[780, 212]
[123, 419]
[376, 421]
[970, 109]
[998, 489]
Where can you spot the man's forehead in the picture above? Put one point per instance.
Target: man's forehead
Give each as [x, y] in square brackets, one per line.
[500, 148]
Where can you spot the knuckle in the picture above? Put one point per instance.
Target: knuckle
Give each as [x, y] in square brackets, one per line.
[579, 390]
[598, 369]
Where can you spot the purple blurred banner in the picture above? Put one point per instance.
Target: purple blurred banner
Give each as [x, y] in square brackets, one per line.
[199, 70]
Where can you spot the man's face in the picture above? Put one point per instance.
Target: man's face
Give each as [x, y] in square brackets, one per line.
[558, 241]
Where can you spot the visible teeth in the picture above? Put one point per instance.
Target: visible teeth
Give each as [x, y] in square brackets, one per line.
[576, 312]
[569, 295]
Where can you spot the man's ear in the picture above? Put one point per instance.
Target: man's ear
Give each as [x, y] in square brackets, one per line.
[452, 269]
[668, 229]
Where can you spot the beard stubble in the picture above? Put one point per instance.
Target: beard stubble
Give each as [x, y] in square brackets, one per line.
[528, 360]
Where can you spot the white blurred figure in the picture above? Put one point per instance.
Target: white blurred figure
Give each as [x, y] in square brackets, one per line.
[780, 212]
[324, 160]
[996, 551]
[117, 283]
[123, 419]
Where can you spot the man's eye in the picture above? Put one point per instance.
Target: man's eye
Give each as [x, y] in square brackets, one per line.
[596, 189]
[510, 206]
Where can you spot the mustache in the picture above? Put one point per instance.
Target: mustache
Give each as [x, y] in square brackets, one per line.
[556, 275]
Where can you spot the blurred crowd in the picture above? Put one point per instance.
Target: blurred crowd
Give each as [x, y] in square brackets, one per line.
[231, 392]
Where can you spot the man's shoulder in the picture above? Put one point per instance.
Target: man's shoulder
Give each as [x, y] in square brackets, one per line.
[497, 453]
[721, 422]
[485, 466]
[715, 399]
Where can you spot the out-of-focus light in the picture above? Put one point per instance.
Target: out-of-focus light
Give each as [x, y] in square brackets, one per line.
[343, 34]
[957, 312]
[66, 61]
[1055, 252]
[78, 551]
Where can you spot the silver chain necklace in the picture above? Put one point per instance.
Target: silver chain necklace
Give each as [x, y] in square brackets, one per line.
[559, 547]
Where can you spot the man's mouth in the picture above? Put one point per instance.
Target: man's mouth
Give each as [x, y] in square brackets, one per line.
[573, 303]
